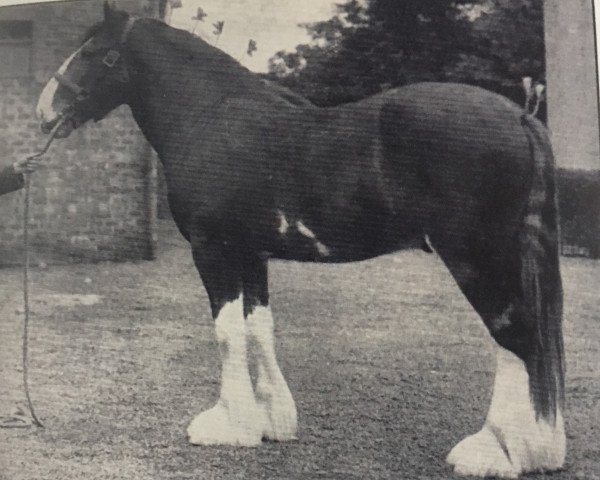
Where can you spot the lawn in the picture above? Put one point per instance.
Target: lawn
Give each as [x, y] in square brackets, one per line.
[388, 364]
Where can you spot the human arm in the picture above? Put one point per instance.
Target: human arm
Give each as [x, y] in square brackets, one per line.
[11, 177]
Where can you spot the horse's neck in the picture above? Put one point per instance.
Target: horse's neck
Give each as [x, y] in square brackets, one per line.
[178, 88]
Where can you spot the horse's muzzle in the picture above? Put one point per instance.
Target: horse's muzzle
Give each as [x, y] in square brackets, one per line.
[47, 127]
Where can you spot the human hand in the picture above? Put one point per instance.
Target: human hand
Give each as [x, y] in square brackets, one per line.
[27, 165]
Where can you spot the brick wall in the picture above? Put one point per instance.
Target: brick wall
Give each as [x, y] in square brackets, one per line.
[95, 197]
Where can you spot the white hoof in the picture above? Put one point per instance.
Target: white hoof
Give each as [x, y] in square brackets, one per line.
[481, 455]
[280, 409]
[511, 451]
[278, 404]
[218, 426]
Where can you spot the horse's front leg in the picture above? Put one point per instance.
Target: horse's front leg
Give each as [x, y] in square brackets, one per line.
[236, 418]
[272, 392]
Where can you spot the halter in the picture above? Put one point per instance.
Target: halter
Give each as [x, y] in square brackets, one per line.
[109, 61]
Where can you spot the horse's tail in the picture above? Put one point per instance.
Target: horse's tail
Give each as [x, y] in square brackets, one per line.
[540, 277]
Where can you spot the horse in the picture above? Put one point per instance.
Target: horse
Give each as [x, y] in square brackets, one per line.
[254, 175]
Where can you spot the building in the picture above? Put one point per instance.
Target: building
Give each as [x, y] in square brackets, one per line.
[572, 83]
[95, 197]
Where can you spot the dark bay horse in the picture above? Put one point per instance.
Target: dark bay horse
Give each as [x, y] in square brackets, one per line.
[253, 175]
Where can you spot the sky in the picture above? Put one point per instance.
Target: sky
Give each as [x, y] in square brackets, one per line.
[273, 24]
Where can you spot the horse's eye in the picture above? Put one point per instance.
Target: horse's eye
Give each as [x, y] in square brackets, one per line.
[87, 54]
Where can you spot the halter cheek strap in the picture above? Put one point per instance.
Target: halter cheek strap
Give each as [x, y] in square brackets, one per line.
[128, 26]
[113, 56]
[109, 60]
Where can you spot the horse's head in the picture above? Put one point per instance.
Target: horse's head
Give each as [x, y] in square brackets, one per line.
[92, 81]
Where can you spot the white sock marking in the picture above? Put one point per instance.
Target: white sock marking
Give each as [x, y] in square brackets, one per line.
[230, 329]
[532, 445]
[271, 388]
[235, 419]
[45, 109]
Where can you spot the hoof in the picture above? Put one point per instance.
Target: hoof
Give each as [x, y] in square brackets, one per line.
[218, 426]
[481, 455]
[510, 452]
[281, 423]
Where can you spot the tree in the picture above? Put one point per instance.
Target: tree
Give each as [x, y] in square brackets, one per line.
[507, 45]
[367, 48]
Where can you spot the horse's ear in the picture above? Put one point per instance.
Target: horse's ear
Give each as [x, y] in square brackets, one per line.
[109, 11]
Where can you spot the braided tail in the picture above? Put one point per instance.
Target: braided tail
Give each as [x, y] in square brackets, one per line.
[540, 277]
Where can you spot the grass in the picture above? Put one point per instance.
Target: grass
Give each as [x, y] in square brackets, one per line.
[387, 362]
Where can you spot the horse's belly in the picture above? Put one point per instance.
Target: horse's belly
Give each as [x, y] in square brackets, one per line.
[338, 243]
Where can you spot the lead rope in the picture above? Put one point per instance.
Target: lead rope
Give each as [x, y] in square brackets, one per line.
[25, 360]
[15, 421]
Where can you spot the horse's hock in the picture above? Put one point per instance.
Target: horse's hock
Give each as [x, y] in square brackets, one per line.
[95, 196]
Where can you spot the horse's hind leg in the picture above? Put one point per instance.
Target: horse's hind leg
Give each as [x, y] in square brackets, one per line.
[272, 392]
[236, 417]
[524, 430]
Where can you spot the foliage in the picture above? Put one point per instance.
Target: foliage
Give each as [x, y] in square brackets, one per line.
[507, 45]
[579, 209]
[367, 47]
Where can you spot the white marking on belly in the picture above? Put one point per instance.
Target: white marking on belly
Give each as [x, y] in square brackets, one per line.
[283, 223]
[304, 230]
[322, 249]
[428, 242]
[308, 233]
[44, 109]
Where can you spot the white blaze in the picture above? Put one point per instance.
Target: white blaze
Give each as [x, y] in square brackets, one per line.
[44, 110]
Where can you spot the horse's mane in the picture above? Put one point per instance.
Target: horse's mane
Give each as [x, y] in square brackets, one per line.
[197, 50]
[179, 39]
[188, 43]
[197, 55]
